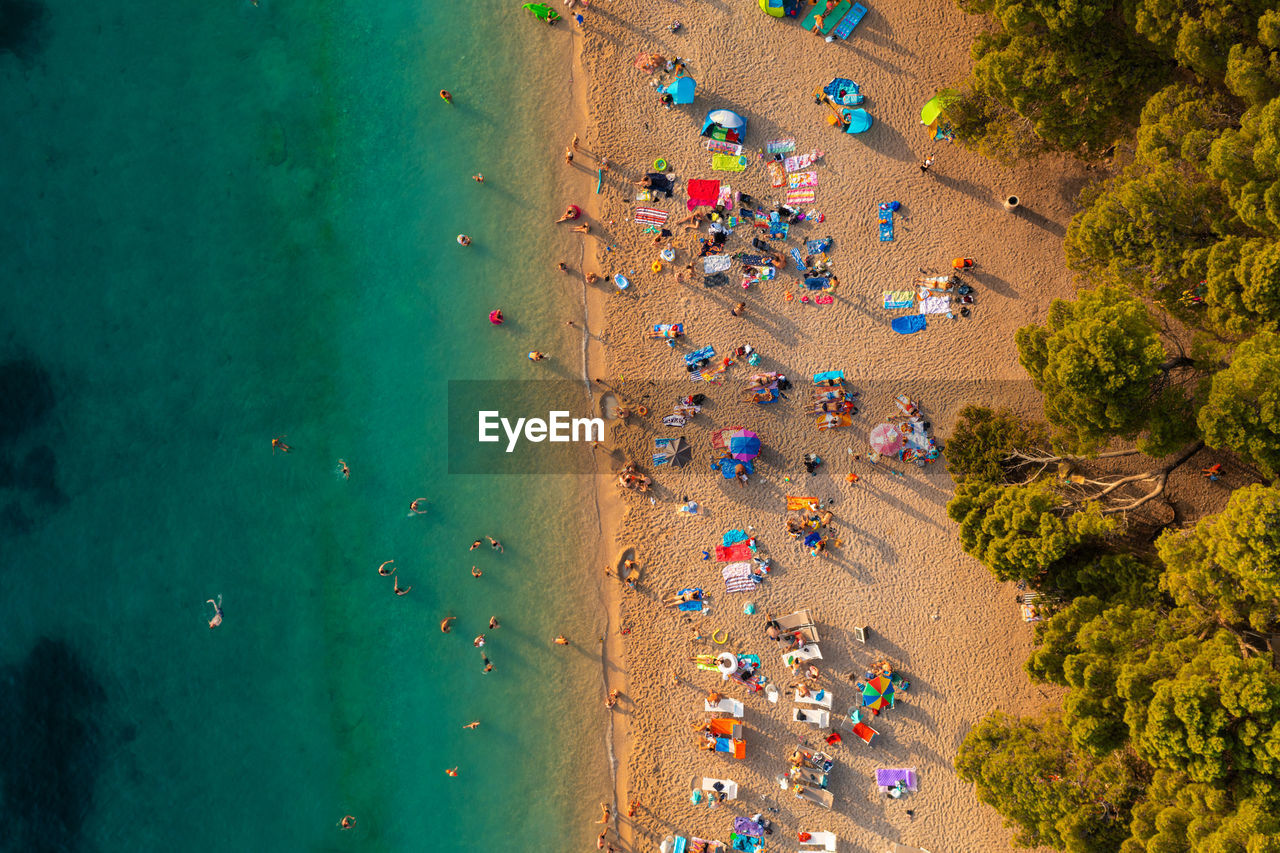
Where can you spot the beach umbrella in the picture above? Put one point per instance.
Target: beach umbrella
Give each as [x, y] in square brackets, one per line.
[681, 90]
[886, 440]
[682, 455]
[726, 120]
[859, 120]
[743, 444]
[877, 693]
[936, 105]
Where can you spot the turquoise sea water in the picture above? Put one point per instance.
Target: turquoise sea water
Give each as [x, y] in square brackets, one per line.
[224, 223]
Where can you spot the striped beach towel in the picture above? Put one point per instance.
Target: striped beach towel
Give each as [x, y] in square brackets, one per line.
[651, 216]
[800, 196]
[737, 578]
[802, 179]
[724, 147]
[728, 163]
[780, 146]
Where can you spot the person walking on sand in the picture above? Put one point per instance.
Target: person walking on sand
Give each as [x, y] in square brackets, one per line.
[278, 444]
[612, 699]
[568, 155]
[384, 571]
[400, 591]
[347, 822]
[446, 624]
[217, 612]
[738, 309]
[574, 143]
[474, 724]
[494, 544]
[562, 640]
[926, 165]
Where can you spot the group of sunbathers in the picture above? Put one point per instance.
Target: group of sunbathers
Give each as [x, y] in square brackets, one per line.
[630, 478]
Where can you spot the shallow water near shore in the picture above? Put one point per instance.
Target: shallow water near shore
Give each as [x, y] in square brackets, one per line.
[226, 223]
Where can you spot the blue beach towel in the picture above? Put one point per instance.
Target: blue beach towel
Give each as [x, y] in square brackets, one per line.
[816, 247]
[698, 355]
[886, 222]
[690, 605]
[817, 283]
[828, 376]
[908, 324]
[799, 259]
[733, 537]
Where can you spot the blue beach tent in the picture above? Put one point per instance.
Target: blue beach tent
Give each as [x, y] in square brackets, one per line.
[725, 125]
[681, 90]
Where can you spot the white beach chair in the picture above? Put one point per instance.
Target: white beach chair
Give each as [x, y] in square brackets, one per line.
[821, 840]
[824, 702]
[806, 652]
[727, 705]
[728, 787]
[821, 719]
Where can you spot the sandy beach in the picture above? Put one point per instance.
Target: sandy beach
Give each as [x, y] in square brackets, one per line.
[934, 613]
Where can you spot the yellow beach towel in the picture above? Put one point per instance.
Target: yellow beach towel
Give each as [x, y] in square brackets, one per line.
[728, 163]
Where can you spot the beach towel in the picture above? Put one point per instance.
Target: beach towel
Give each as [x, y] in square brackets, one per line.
[824, 299]
[651, 216]
[717, 280]
[886, 223]
[690, 605]
[888, 777]
[777, 175]
[723, 147]
[800, 196]
[713, 373]
[733, 537]
[798, 504]
[728, 163]
[697, 355]
[716, 263]
[799, 259]
[817, 283]
[935, 305]
[796, 162]
[747, 826]
[849, 21]
[667, 330]
[908, 324]
[778, 229]
[731, 553]
[674, 421]
[702, 193]
[780, 146]
[755, 260]
[728, 198]
[894, 299]
[802, 179]
[738, 578]
[816, 247]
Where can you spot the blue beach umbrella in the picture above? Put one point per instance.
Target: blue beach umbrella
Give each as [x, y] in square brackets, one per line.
[681, 90]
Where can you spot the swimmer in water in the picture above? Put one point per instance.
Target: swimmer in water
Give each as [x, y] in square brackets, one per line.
[419, 506]
[446, 624]
[474, 545]
[494, 544]
[464, 240]
[478, 642]
[278, 444]
[607, 813]
[444, 94]
[537, 356]
[344, 470]
[478, 178]
[493, 622]
[217, 612]
[475, 572]
[562, 640]
[400, 591]
[347, 820]
[453, 771]
[384, 571]
[474, 724]
[488, 667]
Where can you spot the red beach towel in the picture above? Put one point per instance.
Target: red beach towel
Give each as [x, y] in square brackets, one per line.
[733, 553]
[702, 193]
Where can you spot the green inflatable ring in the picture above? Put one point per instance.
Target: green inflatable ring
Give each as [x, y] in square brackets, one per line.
[660, 165]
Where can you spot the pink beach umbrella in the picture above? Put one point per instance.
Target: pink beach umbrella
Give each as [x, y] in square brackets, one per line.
[886, 440]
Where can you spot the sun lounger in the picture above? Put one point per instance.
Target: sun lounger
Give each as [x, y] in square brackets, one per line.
[849, 21]
[799, 619]
[681, 845]
[809, 651]
[821, 719]
[812, 699]
[728, 787]
[820, 840]
[811, 777]
[726, 705]
[865, 732]
[816, 795]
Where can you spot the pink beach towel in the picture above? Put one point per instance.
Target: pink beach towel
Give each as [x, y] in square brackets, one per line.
[723, 147]
[799, 196]
[802, 179]
[800, 161]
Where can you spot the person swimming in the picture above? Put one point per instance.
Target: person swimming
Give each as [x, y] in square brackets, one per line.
[278, 444]
[474, 724]
[493, 622]
[446, 97]
[418, 507]
[453, 771]
[475, 572]
[478, 642]
[344, 469]
[478, 178]
[217, 612]
[535, 355]
[446, 624]
[464, 240]
[400, 591]
[562, 640]
[347, 822]
[494, 544]
[382, 570]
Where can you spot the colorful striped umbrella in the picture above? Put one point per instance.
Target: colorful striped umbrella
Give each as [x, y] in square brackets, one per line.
[877, 693]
